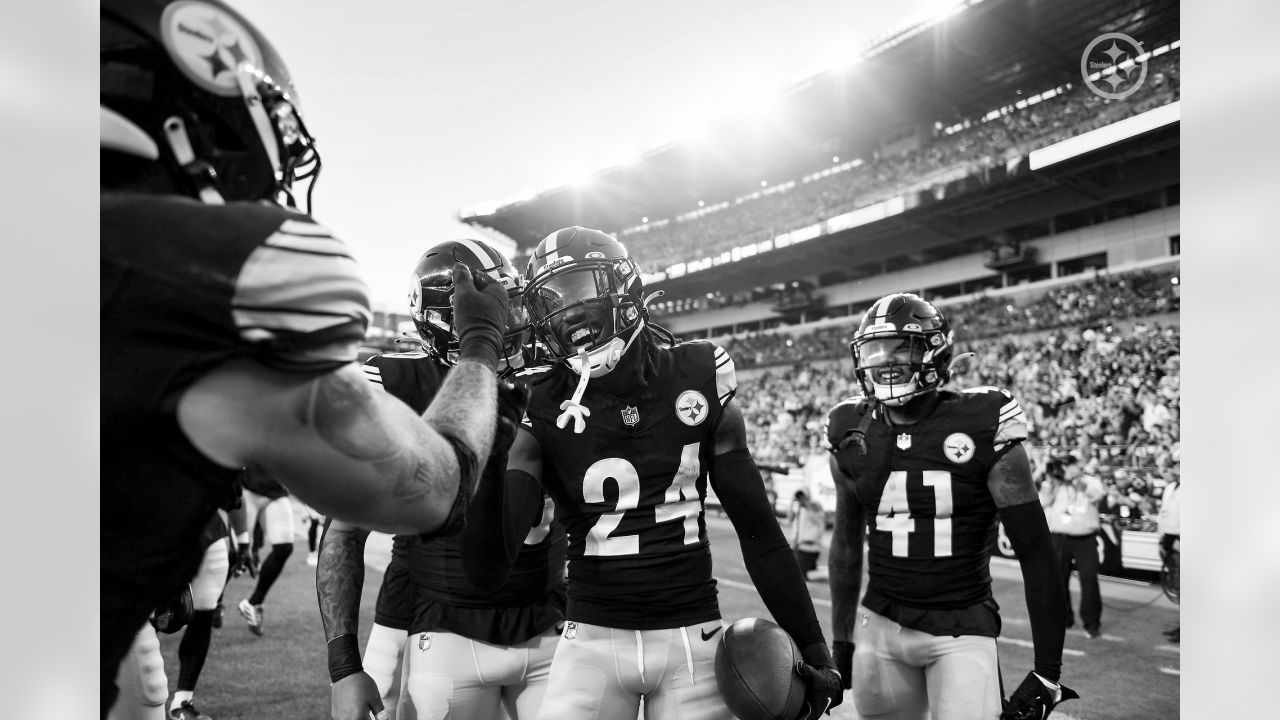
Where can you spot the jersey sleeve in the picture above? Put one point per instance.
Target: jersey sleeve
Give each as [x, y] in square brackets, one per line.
[300, 301]
[1011, 423]
[373, 371]
[726, 376]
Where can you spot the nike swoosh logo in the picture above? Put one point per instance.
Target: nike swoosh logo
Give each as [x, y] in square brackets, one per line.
[708, 635]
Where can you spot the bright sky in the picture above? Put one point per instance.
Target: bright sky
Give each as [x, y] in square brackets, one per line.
[423, 108]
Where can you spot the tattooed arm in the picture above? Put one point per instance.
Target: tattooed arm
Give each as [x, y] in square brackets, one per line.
[340, 577]
[339, 580]
[343, 447]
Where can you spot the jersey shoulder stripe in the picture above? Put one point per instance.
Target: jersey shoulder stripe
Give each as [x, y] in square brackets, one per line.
[1012, 425]
[1011, 422]
[302, 294]
[726, 375]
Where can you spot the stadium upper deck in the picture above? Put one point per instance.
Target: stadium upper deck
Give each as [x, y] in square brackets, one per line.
[991, 54]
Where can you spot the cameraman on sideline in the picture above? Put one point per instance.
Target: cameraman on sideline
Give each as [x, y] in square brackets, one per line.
[1070, 498]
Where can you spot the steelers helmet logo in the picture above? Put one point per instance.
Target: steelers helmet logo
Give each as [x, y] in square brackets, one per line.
[958, 448]
[208, 45]
[691, 407]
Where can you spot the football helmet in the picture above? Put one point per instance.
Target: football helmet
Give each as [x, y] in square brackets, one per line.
[431, 298]
[194, 86]
[584, 292]
[901, 349]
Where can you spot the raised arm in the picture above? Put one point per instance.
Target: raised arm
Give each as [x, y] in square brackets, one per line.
[350, 451]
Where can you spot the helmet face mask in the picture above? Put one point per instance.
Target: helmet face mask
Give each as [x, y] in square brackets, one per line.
[584, 298]
[902, 349]
[431, 300]
[193, 85]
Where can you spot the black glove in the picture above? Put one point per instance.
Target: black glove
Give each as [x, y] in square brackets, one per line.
[244, 562]
[176, 614]
[843, 651]
[1035, 698]
[513, 398]
[822, 682]
[480, 307]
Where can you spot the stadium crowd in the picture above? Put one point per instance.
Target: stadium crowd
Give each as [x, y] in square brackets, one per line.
[972, 148]
[1104, 391]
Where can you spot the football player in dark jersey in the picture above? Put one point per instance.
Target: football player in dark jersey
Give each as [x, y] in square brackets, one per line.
[927, 472]
[230, 323]
[477, 646]
[624, 432]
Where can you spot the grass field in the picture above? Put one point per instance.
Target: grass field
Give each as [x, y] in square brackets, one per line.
[1130, 673]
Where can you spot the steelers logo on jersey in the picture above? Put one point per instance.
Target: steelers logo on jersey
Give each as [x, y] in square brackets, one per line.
[958, 448]
[691, 407]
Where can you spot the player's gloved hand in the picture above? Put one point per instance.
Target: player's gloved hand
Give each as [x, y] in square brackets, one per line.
[176, 614]
[821, 680]
[513, 398]
[843, 652]
[1035, 698]
[354, 697]
[480, 306]
[244, 562]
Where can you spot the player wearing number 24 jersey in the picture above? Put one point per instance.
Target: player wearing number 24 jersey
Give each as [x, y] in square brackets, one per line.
[624, 432]
[925, 472]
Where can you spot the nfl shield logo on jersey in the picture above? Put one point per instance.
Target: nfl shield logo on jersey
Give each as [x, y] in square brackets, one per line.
[630, 416]
[959, 448]
[691, 407]
[904, 441]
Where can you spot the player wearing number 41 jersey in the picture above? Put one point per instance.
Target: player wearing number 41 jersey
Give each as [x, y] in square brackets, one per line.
[624, 432]
[926, 472]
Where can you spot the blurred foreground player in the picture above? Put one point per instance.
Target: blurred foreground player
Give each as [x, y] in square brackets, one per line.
[624, 432]
[475, 650]
[926, 472]
[230, 323]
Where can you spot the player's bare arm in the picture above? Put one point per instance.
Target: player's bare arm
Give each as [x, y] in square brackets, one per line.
[845, 556]
[339, 581]
[340, 577]
[399, 474]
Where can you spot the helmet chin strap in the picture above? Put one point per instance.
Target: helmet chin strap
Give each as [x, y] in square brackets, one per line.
[573, 407]
[612, 353]
[200, 172]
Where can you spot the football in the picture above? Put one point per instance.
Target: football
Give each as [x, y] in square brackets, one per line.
[756, 671]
